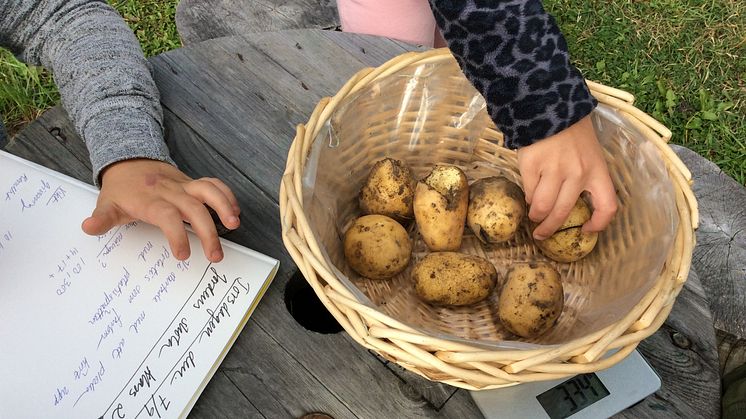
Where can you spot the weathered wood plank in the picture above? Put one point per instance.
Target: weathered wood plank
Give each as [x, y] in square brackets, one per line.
[229, 402]
[296, 84]
[433, 392]
[731, 351]
[368, 49]
[229, 117]
[720, 255]
[51, 141]
[448, 401]
[250, 111]
[683, 353]
[200, 20]
[319, 59]
[275, 381]
[57, 122]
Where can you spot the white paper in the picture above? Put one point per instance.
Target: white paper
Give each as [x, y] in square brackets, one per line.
[110, 326]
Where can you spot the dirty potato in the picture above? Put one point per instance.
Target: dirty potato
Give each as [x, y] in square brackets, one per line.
[454, 279]
[377, 247]
[440, 204]
[389, 190]
[569, 243]
[531, 299]
[496, 208]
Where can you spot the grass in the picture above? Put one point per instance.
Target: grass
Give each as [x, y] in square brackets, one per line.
[26, 92]
[153, 23]
[684, 60]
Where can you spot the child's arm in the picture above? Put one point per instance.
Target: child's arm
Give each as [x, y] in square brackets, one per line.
[108, 91]
[514, 54]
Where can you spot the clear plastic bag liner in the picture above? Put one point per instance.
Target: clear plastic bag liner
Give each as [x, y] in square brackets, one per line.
[429, 114]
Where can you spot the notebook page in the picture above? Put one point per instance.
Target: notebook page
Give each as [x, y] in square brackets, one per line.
[110, 326]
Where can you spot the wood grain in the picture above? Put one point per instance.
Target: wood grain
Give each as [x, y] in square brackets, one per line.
[720, 255]
[229, 402]
[200, 20]
[682, 353]
[52, 141]
[731, 351]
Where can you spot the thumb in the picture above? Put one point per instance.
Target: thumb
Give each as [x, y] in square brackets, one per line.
[105, 216]
[604, 199]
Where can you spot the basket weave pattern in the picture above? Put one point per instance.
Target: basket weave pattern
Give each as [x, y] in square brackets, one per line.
[463, 360]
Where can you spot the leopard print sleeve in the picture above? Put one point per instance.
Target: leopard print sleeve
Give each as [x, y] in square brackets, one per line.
[514, 54]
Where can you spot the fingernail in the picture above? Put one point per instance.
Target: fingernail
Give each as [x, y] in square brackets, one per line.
[540, 237]
[217, 255]
[233, 220]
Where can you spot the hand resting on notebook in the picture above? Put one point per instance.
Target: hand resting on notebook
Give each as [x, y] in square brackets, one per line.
[160, 194]
[109, 93]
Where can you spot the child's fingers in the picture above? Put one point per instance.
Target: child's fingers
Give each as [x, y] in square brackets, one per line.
[195, 213]
[530, 179]
[227, 191]
[104, 217]
[568, 195]
[604, 201]
[168, 218]
[215, 197]
[544, 197]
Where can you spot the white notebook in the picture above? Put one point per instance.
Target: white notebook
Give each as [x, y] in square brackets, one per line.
[111, 326]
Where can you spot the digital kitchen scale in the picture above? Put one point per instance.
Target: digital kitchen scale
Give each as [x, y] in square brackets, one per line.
[594, 395]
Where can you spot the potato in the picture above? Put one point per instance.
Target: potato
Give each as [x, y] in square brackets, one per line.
[531, 300]
[440, 204]
[377, 247]
[389, 190]
[454, 279]
[496, 208]
[569, 243]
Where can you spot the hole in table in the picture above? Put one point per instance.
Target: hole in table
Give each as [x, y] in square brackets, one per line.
[306, 308]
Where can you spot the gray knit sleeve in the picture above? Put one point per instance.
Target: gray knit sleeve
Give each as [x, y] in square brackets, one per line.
[103, 77]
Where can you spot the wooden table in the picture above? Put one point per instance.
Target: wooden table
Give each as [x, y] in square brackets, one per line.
[231, 106]
[200, 20]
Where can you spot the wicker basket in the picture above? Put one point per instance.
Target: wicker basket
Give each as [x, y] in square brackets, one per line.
[466, 347]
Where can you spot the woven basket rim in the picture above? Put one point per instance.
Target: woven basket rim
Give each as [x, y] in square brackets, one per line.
[461, 364]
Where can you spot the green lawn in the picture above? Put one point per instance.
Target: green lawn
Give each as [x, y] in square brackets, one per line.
[684, 60]
[26, 92]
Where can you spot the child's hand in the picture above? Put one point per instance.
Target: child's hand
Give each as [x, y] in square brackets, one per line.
[160, 194]
[557, 169]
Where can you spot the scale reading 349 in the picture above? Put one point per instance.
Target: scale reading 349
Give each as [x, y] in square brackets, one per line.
[572, 396]
[592, 396]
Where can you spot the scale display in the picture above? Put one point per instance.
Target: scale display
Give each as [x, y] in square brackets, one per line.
[572, 396]
[586, 396]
